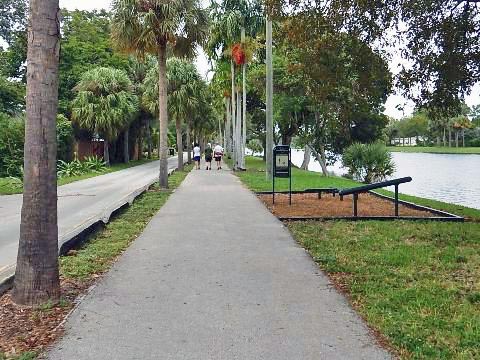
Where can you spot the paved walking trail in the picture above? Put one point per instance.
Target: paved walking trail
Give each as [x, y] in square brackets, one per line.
[215, 276]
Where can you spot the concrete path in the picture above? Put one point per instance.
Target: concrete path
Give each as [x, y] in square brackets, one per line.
[215, 276]
[80, 205]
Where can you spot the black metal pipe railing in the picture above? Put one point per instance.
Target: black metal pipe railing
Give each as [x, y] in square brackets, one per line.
[320, 191]
[365, 188]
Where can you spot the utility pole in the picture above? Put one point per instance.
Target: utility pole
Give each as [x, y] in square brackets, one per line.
[269, 104]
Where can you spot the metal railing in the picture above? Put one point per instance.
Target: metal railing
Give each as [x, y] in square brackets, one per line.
[366, 188]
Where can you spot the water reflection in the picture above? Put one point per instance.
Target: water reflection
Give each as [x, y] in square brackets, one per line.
[445, 177]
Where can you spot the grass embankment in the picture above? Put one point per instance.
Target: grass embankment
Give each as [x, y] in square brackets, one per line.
[10, 186]
[435, 149]
[98, 254]
[416, 283]
[31, 330]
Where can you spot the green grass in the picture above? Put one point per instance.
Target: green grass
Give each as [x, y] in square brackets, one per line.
[255, 178]
[435, 149]
[415, 282]
[29, 355]
[10, 186]
[104, 247]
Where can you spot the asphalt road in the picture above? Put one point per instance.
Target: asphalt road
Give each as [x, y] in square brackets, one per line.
[80, 204]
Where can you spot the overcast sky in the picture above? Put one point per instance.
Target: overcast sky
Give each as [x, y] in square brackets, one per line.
[203, 66]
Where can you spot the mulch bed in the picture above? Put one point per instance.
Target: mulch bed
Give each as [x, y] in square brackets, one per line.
[32, 329]
[308, 205]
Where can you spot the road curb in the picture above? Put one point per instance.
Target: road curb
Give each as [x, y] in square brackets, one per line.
[80, 233]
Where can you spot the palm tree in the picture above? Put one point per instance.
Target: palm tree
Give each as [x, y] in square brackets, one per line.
[37, 274]
[105, 104]
[233, 20]
[149, 26]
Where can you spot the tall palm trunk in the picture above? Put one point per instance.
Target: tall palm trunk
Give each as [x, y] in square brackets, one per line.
[228, 127]
[244, 107]
[149, 140]
[178, 125]
[269, 103]
[106, 152]
[163, 113]
[37, 274]
[126, 154]
[234, 118]
[239, 130]
[189, 141]
[244, 115]
[463, 137]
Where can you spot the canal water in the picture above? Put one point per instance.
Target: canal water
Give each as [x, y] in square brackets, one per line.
[450, 178]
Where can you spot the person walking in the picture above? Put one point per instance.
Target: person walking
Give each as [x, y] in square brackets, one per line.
[197, 154]
[209, 156]
[218, 152]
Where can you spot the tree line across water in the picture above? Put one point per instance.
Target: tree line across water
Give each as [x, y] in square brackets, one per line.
[121, 75]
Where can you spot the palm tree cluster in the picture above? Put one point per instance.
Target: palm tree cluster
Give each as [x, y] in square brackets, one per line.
[105, 104]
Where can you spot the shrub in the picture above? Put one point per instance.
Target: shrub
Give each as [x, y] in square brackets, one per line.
[368, 162]
[91, 164]
[12, 132]
[64, 138]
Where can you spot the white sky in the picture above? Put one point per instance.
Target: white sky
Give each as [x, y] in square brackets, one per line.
[202, 64]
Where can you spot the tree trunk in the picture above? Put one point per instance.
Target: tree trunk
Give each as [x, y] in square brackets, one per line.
[106, 152]
[456, 138]
[163, 113]
[228, 127]
[449, 137]
[269, 101]
[444, 137]
[234, 118]
[322, 159]
[37, 274]
[244, 107]
[463, 137]
[126, 154]
[149, 140]
[189, 141]
[307, 154]
[178, 125]
[438, 141]
[239, 130]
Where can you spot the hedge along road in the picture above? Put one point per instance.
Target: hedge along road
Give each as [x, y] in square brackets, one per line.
[80, 205]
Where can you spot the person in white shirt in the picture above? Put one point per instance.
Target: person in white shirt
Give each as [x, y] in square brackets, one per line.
[197, 153]
[218, 153]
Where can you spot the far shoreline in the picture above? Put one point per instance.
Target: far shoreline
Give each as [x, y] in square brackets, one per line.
[436, 150]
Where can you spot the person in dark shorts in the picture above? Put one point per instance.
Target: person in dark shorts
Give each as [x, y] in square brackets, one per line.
[209, 156]
[218, 151]
[197, 154]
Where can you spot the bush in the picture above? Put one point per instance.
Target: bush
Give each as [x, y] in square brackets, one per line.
[368, 162]
[91, 164]
[64, 138]
[12, 132]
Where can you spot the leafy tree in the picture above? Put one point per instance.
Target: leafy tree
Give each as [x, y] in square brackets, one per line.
[346, 82]
[13, 19]
[12, 96]
[442, 41]
[475, 115]
[64, 138]
[105, 104]
[12, 132]
[37, 274]
[86, 43]
[149, 26]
